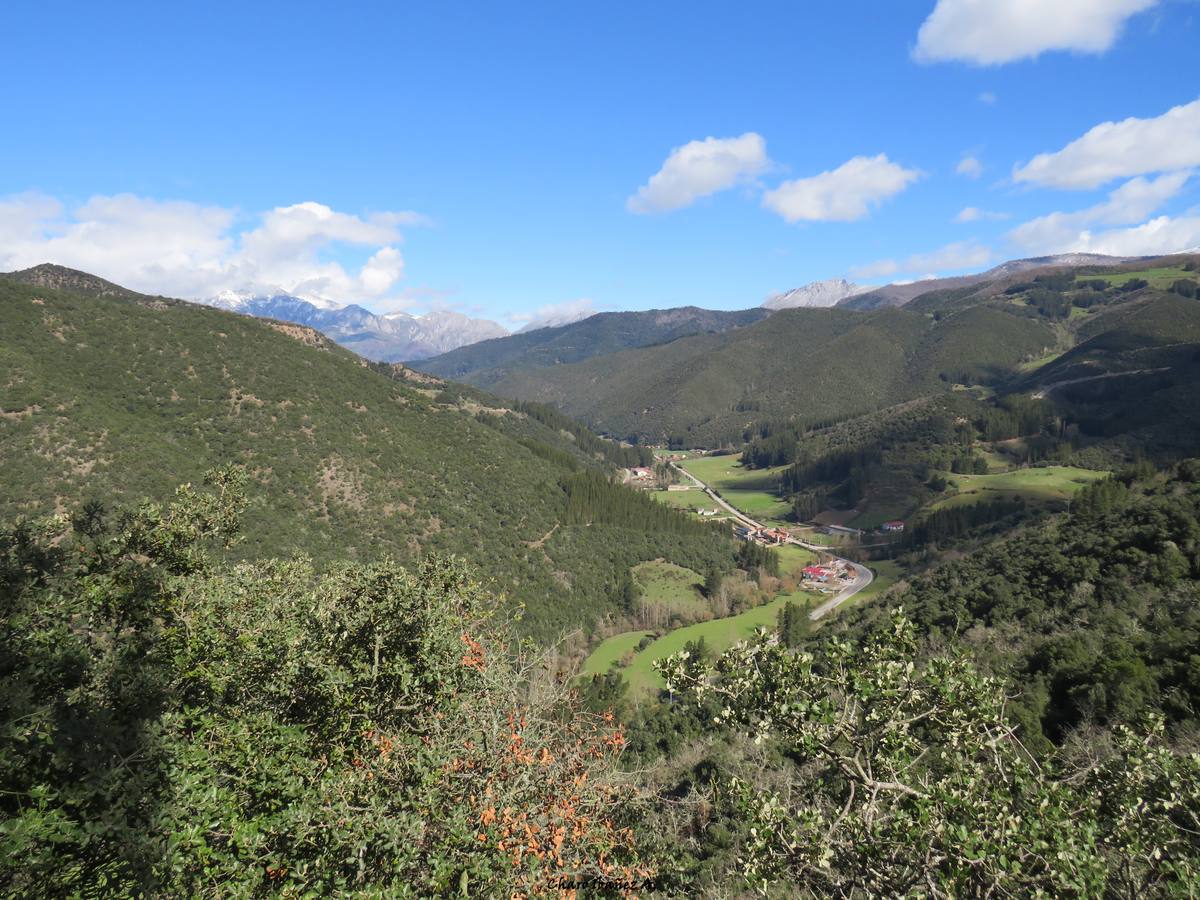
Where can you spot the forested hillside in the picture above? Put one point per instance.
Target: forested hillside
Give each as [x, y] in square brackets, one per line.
[114, 395]
[1093, 616]
[487, 362]
[814, 365]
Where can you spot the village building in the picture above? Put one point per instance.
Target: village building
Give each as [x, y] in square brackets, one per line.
[894, 526]
[817, 573]
[841, 530]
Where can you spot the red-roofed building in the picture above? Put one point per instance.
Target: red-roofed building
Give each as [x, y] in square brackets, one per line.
[896, 525]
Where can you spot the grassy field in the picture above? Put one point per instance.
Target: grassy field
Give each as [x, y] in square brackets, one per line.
[750, 490]
[673, 586]
[610, 651]
[718, 634]
[793, 558]
[1158, 278]
[1047, 484]
[693, 499]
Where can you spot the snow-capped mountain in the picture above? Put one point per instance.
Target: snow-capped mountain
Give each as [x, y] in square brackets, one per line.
[817, 294]
[394, 337]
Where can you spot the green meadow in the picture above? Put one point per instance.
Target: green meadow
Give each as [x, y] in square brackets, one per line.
[750, 490]
[1047, 484]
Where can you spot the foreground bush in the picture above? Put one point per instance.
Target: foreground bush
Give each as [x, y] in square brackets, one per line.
[172, 726]
[910, 781]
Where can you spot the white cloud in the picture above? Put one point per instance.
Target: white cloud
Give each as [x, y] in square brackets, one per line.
[1133, 201]
[975, 214]
[186, 250]
[555, 314]
[950, 258]
[988, 97]
[844, 194]
[969, 166]
[698, 169]
[1121, 149]
[1159, 236]
[991, 32]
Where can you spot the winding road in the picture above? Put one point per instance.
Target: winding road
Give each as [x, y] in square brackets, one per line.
[862, 575]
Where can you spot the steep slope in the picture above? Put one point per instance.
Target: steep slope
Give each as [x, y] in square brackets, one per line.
[120, 397]
[809, 364]
[490, 361]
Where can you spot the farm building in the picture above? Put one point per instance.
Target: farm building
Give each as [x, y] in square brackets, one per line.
[842, 530]
[892, 526]
[639, 472]
[817, 573]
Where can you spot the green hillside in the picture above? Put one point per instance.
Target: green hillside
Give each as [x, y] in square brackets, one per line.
[811, 364]
[490, 361]
[117, 396]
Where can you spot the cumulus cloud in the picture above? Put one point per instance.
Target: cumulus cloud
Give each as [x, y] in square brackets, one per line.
[1122, 149]
[991, 32]
[698, 169]
[843, 194]
[1062, 232]
[969, 166]
[950, 258]
[1156, 237]
[975, 214]
[556, 314]
[187, 250]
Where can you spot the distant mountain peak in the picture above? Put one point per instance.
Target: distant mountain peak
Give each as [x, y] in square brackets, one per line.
[390, 338]
[816, 294]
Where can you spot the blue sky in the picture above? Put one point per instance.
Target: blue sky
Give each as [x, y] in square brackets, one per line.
[484, 155]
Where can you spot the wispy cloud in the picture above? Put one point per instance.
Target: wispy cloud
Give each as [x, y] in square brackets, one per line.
[970, 166]
[555, 314]
[1130, 204]
[975, 214]
[950, 258]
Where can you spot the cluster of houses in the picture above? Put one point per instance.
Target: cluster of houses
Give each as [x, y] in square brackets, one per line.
[764, 535]
[817, 573]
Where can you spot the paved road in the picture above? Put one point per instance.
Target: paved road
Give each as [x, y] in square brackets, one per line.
[862, 575]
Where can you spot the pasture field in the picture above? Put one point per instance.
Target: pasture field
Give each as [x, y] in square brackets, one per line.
[750, 490]
[693, 499]
[1162, 277]
[610, 651]
[718, 634]
[675, 587]
[792, 558]
[1047, 484]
